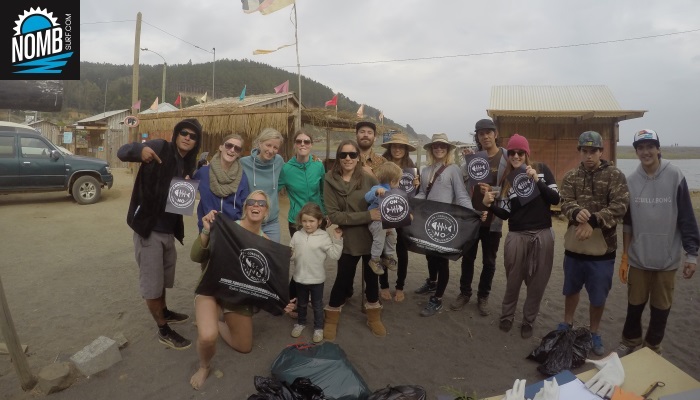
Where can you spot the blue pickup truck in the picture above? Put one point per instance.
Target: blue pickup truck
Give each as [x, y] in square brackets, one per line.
[31, 163]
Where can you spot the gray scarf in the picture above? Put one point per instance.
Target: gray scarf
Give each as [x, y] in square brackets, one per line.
[224, 182]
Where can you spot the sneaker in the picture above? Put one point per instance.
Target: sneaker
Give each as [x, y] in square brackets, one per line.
[428, 287]
[318, 335]
[460, 302]
[391, 263]
[483, 306]
[434, 305]
[526, 331]
[174, 340]
[173, 317]
[563, 326]
[296, 331]
[624, 350]
[376, 265]
[597, 342]
[505, 325]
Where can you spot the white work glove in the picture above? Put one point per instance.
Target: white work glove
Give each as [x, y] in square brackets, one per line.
[517, 392]
[550, 391]
[610, 374]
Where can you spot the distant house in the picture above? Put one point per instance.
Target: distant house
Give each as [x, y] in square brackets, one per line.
[553, 117]
[101, 136]
[48, 130]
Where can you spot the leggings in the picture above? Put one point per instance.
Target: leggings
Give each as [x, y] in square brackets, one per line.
[439, 269]
[342, 287]
[402, 270]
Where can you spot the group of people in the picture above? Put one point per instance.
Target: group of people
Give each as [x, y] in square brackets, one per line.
[593, 197]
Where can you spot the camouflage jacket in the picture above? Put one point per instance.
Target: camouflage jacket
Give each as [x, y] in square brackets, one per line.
[603, 192]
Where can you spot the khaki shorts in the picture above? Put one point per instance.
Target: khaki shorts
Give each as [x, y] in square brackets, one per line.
[654, 286]
[244, 310]
[156, 257]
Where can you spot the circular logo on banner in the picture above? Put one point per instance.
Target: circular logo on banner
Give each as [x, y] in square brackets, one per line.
[406, 183]
[254, 265]
[523, 185]
[394, 208]
[478, 168]
[131, 121]
[441, 227]
[182, 194]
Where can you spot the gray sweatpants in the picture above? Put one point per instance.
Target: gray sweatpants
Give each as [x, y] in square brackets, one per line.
[383, 240]
[528, 256]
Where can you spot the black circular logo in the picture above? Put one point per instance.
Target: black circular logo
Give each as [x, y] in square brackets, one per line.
[182, 194]
[394, 208]
[523, 185]
[478, 168]
[254, 265]
[406, 183]
[441, 227]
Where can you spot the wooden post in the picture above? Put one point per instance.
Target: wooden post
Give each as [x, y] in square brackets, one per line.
[19, 360]
[328, 144]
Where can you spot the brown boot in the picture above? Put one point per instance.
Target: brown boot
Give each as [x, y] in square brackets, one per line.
[330, 323]
[374, 322]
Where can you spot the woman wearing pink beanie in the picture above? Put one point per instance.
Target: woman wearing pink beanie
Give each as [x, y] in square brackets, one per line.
[529, 245]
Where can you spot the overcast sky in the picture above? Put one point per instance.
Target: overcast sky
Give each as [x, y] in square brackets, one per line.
[661, 74]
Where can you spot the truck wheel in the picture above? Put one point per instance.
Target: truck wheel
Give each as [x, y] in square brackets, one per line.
[86, 190]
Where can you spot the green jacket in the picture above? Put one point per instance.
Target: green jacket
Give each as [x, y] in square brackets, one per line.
[347, 207]
[603, 192]
[304, 183]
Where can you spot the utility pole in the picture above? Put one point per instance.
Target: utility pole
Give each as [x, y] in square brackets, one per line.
[165, 66]
[213, 66]
[133, 132]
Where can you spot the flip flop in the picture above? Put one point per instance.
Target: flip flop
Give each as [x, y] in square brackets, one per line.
[399, 296]
[385, 294]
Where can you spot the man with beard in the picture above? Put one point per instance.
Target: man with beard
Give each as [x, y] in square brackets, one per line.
[366, 133]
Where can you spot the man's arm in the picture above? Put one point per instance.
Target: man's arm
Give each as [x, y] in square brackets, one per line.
[688, 225]
[618, 202]
[140, 152]
[569, 206]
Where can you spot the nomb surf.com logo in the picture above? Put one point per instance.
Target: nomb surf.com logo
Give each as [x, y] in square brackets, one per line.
[43, 44]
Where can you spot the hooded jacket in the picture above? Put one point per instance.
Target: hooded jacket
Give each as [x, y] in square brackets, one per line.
[304, 183]
[661, 219]
[264, 175]
[346, 206]
[603, 192]
[310, 251]
[150, 193]
[231, 205]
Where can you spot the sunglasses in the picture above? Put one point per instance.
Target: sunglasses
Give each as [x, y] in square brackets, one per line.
[520, 153]
[344, 154]
[253, 202]
[303, 141]
[440, 146]
[235, 148]
[192, 135]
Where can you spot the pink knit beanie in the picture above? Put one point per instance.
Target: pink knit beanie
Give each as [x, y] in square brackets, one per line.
[517, 142]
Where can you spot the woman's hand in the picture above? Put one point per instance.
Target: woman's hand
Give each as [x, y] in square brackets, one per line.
[484, 215]
[484, 187]
[489, 198]
[291, 306]
[531, 173]
[338, 233]
[375, 214]
[208, 219]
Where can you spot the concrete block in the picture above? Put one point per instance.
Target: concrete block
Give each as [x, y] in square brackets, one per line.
[121, 340]
[99, 355]
[55, 377]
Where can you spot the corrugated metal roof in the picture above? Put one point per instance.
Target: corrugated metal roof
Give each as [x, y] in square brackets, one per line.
[248, 101]
[553, 98]
[101, 116]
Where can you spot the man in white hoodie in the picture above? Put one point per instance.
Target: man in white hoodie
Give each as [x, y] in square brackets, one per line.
[659, 224]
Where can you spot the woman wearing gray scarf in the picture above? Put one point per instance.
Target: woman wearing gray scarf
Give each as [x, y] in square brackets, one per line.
[223, 186]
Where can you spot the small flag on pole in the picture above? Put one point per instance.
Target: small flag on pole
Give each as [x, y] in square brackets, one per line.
[282, 88]
[203, 99]
[275, 5]
[137, 105]
[154, 106]
[178, 101]
[264, 6]
[242, 96]
[263, 51]
[361, 111]
[333, 101]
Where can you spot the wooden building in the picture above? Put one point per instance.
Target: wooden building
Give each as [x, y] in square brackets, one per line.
[48, 130]
[101, 136]
[553, 117]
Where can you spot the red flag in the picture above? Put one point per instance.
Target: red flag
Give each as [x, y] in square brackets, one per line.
[333, 101]
[137, 105]
[283, 88]
[178, 100]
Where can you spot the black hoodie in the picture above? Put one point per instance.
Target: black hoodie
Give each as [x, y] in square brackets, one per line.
[149, 197]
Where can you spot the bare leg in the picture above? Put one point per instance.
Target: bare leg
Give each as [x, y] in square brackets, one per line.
[237, 332]
[595, 315]
[156, 307]
[570, 304]
[207, 315]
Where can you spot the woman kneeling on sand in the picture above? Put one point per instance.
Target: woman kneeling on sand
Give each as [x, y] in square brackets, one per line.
[237, 327]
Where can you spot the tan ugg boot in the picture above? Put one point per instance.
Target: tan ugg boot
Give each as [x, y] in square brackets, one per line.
[374, 322]
[330, 323]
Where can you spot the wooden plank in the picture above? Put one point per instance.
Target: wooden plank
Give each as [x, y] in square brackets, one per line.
[19, 360]
[5, 350]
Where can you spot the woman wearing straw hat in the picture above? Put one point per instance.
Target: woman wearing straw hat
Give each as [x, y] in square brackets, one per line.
[446, 184]
[397, 151]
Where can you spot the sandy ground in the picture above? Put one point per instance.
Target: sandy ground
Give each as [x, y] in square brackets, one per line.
[69, 276]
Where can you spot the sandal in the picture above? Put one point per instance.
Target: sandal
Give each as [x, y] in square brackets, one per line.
[398, 296]
[385, 294]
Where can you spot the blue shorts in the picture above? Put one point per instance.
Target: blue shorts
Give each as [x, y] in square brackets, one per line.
[596, 275]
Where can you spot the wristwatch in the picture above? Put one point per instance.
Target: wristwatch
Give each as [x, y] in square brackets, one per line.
[205, 231]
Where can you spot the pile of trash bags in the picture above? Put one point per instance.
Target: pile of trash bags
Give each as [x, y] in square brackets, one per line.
[562, 349]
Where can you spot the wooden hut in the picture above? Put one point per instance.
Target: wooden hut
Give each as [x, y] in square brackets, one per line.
[553, 117]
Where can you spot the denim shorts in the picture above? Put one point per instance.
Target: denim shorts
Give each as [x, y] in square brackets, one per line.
[595, 275]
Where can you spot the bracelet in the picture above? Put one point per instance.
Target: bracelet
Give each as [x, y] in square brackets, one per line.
[205, 231]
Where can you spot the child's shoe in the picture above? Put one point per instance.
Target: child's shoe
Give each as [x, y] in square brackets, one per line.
[376, 265]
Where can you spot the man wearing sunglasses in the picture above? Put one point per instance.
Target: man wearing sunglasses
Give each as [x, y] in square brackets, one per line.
[155, 230]
[365, 134]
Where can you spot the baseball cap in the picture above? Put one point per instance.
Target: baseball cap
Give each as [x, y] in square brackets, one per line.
[367, 124]
[590, 139]
[484, 124]
[645, 135]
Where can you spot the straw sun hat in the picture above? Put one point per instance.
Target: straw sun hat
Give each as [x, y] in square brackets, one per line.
[399, 138]
[439, 138]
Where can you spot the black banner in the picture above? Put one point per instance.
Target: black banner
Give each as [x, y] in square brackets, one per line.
[407, 179]
[394, 209]
[245, 268]
[181, 196]
[524, 187]
[441, 229]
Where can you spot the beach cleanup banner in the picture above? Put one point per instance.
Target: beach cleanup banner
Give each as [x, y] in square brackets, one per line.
[406, 183]
[394, 209]
[245, 268]
[441, 229]
[524, 187]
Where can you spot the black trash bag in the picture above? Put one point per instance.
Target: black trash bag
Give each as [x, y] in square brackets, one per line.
[271, 389]
[326, 365]
[401, 392]
[306, 390]
[562, 349]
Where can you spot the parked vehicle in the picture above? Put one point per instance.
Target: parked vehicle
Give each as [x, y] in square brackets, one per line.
[31, 163]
